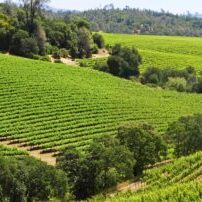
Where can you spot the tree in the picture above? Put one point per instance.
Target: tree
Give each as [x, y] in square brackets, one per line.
[124, 62]
[144, 142]
[41, 39]
[23, 45]
[28, 179]
[85, 43]
[16, 42]
[105, 163]
[99, 40]
[6, 30]
[186, 135]
[32, 9]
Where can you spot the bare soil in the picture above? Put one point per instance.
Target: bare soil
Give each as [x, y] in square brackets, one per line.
[49, 158]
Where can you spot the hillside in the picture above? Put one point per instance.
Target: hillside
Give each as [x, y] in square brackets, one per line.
[176, 181]
[7, 152]
[51, 106]
[159, 51]
[129, 20]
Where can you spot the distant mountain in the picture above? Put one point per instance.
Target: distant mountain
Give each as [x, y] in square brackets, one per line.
[197, 15]
[138, 21]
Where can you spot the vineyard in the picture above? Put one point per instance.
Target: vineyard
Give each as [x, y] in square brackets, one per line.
[176, 181]
[159, 51]
[6, 152]
[50, 106]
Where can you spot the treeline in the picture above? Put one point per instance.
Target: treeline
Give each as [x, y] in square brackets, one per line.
[26, 30]
[129, 20]
[185, 80]
[27, 179]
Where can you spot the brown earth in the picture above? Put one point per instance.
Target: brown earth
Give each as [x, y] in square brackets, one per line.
[49, 158]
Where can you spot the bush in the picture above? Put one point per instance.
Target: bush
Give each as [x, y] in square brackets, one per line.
[180, 80]
[101, 67]
[56, 54]
[197, 87]
[36, 57]
[64, 53]
[186, 135]
[45, 58]
[95, 49]
[99, 40]
[124, 62]
[49, 49]
[178, 84]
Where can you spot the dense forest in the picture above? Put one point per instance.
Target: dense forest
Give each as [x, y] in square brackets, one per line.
[27, 29]
[130, 20]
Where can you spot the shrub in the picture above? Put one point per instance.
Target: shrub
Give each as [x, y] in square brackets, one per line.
[99, 40]
[49, 49]
[124, 62]
[178, 84]
[95, 49]
[186, 135]
[101, 67]
[64, 53]
[56, 54]
[45, 58]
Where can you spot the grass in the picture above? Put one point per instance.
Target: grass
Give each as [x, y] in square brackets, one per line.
[51, 106]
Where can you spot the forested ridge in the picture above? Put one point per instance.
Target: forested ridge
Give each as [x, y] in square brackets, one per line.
[137, 21]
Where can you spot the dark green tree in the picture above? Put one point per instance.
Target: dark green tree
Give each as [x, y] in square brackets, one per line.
[124, 62]
[186, 135]
[105, 164]
[32, 9]
[144, 142]
[23, 45]
[99, 40]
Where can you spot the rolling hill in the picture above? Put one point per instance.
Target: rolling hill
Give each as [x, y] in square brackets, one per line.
[163, 51]
[51, 106]
[157, 51]
[134, 20]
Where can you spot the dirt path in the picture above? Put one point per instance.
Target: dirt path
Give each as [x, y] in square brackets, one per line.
[46, 157]
[102, 53]
[135, 186]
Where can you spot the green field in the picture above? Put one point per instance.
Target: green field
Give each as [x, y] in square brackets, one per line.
[176, 181]
[7, 151]
[163, 51]
[51, 106]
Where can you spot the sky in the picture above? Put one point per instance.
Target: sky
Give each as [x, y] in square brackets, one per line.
[174, 6]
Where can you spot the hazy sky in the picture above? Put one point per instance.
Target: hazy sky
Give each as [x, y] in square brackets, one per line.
[175, 6]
